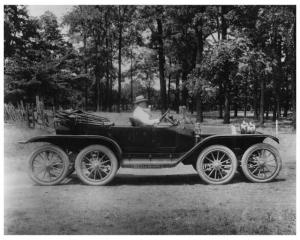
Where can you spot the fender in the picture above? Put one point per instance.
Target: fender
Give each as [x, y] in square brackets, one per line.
[78, 142]
[237, 143]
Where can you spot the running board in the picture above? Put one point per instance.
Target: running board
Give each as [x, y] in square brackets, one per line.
[148, 163]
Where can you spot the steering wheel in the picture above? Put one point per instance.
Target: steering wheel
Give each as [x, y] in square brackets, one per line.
[165, 116]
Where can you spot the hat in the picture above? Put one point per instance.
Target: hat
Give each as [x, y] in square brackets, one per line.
[140, 99]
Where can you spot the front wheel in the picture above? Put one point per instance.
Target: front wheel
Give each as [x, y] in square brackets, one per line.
[216, 164]
[96, 165]
[48, 165]
[261, 163]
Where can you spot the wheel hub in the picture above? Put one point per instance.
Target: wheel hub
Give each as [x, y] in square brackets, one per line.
[95, 164]
[261, 163]
[48, 168]
[216, 165]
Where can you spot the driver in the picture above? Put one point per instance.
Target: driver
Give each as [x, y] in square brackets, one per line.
[142, 113]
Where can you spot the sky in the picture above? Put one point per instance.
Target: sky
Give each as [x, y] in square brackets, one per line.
[58, 10]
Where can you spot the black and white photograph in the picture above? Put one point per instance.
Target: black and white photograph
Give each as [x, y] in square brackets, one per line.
[149, 119]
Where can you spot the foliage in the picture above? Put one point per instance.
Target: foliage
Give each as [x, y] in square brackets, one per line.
[236, 57]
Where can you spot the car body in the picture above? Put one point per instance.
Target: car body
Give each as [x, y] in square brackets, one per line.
[97, 152]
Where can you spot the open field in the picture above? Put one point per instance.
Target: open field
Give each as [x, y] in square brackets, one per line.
[164, 201]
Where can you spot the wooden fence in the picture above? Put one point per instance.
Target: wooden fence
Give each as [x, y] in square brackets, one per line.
[12, 113]
[32, 114]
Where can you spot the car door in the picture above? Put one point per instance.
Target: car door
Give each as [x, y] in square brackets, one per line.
[134, 139]
[164, 139]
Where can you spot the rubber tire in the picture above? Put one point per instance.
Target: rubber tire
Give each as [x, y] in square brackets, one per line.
[253, 148]
[209, 149]
[108, 152]
[56, 149]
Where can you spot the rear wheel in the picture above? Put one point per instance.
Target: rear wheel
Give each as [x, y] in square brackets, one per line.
[96, 165]
[261, 163]
[48, 165]
[217, 164]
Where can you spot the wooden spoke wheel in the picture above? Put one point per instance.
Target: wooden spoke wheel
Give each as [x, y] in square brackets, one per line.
[261, 163]
[216, 164]
[48, 165]
[96, 165]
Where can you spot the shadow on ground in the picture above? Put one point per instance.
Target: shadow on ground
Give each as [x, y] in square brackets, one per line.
[180, 179]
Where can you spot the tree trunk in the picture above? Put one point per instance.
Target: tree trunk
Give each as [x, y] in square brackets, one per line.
[220, 109]
[161, 59]
[280, 77]
[293, 83]
[293, 73]
[106, 95]
[262, 101]
[221, 101]
[274, 117]
[256, 113]
[246, 98]
[107, 87]
[199, 108]
[177, 94]
[85, 71]
[198, 65]
[226, 71]
[237, 98]
[278, 109]
[255, 99]
[218, 26]
[227, 107]
[245, 110]
[223, 23]
[131, 78]
[110, 103]
[184, 91]
[119, 61]
[227, 98]
[286, 109]
[98, 92]
[235, 111]
[169, 87]
[267, 112]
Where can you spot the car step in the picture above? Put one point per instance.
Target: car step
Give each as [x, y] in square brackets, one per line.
[149, 163]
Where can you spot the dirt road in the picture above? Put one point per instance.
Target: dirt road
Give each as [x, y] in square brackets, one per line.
[166, 201]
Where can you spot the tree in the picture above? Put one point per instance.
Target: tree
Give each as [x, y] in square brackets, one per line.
[78, 22]
[40, 68]
[19, 30]
[124, 14]
[153, 19]
[225, 56]
[267, 27]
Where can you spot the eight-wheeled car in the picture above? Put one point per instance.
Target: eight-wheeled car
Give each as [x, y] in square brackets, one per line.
[97, 149]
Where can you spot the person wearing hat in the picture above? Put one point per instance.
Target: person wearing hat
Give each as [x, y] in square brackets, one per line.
[142, 113]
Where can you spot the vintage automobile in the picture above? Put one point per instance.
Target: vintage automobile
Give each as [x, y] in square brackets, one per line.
[96, 149]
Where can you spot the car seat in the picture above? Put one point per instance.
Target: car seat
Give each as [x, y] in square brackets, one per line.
[135, 122]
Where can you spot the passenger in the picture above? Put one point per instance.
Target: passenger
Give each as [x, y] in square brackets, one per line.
[142, 113]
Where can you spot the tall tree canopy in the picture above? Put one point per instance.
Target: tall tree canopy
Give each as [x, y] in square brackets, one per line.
[218, 58]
